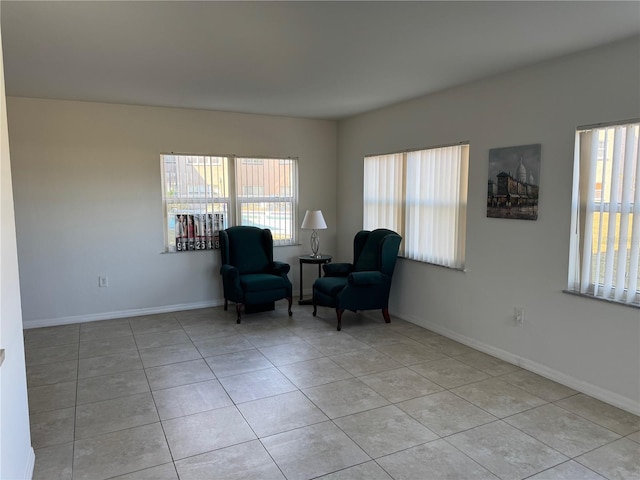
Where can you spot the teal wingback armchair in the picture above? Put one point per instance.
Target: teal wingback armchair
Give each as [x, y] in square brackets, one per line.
[365, 283]
[250, 276]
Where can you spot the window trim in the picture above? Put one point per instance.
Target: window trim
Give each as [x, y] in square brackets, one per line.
[232, 200]
[241, 198]
[585, 196]
[461, 143]
[460, 246]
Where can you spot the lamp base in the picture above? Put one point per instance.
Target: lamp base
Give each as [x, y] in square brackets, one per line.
[315, 244]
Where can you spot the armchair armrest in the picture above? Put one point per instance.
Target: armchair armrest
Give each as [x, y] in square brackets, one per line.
[366, 278]
[229, 271]
[231, 283]
[280, 268]
[337, 269]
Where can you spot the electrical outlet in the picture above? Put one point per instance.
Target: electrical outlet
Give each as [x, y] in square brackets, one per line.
[518, 315]
[103, 281]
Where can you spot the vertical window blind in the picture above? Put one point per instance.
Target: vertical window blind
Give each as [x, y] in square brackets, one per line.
[422, 195]
[384, 205]
[605, 246]
[437, 205]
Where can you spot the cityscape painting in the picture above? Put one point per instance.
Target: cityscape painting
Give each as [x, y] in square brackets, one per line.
[514, 176]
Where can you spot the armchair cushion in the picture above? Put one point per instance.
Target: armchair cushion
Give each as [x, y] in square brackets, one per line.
[249, 249]
[366, 278]
[330, 286]
[337, 269]
[369, 257]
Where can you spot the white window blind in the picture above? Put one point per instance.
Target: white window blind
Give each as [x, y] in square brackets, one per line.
[437, 205]
[605, 243]
[384, 178]
[422, 195]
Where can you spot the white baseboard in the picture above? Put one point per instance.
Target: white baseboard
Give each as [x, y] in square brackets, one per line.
[93, 317]
[607, 396]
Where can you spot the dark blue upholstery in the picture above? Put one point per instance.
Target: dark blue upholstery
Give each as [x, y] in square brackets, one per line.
[250, 276]
[364, 284]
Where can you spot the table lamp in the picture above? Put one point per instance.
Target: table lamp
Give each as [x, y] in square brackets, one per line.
[313, 220]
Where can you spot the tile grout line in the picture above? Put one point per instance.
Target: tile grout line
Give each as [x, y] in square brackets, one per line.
[356, 377]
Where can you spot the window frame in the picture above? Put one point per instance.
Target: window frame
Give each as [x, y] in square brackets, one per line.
[231, 198]
[244, 199]
[398, 208]
[591, 196]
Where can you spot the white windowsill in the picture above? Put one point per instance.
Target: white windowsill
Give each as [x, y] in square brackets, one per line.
[606, 300]
[217, 249]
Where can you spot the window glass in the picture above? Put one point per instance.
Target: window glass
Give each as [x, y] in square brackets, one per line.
[198, 202]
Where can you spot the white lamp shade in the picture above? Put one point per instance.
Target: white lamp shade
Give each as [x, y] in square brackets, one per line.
[313, 220]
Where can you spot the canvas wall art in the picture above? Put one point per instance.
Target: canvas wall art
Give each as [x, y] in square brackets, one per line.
[514, 176]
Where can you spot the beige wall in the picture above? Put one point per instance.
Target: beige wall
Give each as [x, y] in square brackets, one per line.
[591, 345]
[88, 202]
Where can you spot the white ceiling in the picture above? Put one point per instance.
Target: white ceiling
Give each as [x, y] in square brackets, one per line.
[305, 59]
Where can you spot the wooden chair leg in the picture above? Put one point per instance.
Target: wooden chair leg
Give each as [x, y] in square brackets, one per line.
[238, 309]
[315, 307]
[290, 299]
[339, 313]
[385, 314]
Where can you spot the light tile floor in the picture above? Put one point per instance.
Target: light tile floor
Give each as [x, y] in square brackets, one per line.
[193, 395]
